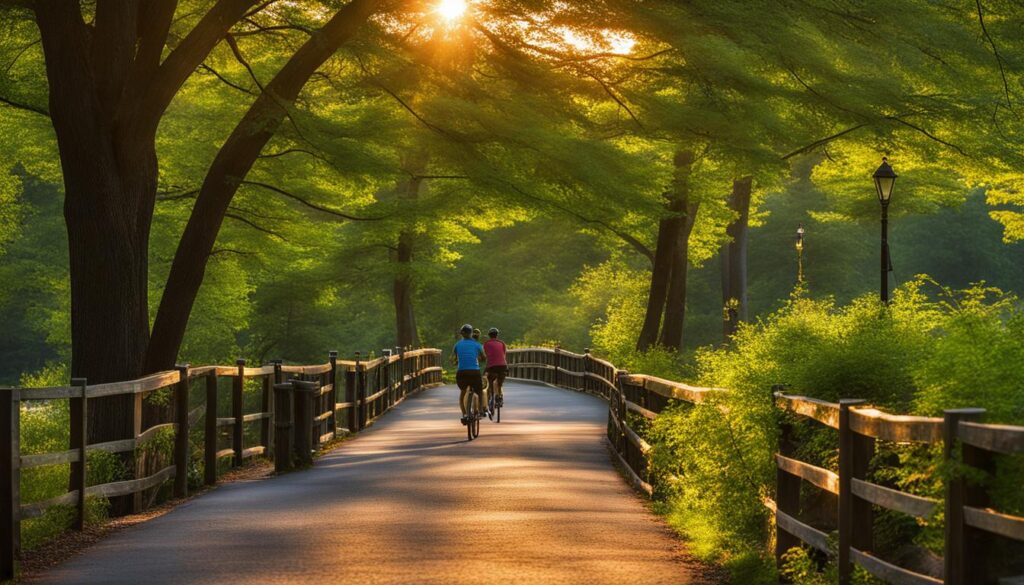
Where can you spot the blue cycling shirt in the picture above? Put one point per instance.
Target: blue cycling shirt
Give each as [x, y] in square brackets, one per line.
[468, 350]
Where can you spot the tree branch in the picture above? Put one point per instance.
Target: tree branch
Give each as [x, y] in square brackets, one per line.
[226, 81]
[23, 106]
[255, 226]
[823, 141]
[309, 204]
[995, 51]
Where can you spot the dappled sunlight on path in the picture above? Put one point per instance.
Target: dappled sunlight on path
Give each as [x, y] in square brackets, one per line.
[534, 500]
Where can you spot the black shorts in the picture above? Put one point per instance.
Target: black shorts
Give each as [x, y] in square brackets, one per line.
[497, 373]
[469, 379]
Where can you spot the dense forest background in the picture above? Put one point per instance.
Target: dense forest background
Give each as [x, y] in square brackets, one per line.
[541, 281]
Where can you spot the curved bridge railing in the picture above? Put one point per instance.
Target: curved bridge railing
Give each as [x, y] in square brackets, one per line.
[276, 410]
[972, 529]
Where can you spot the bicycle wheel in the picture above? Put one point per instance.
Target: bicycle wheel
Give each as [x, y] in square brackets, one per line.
[497, 413]
[475, 422]
[471, 413]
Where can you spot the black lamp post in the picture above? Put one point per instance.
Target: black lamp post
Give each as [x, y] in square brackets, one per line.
[885, 178]
[800, 254]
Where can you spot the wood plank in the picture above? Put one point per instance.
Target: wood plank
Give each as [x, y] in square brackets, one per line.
[37, 509]
[41, 459]
[321, 418]
[326, 437]
[151, 432]
[890, 499]
[1003, 439]
[648, 414]
[342, 405]
[991, 521]
[637, 440]
[805, 532]
[254, 417]
[225, 452]
[253, 451]
[675, 390]
[267, 370]
[827, 413]
[895, 427]
[122, 488]
[113, 446]
[225, 421]
[570, 372]
[147, 384]
[821, 477]
[889, 572]
[532, 365]
[51, 393]
[201, 371]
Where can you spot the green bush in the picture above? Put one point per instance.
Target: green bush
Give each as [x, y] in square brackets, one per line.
[929, 350]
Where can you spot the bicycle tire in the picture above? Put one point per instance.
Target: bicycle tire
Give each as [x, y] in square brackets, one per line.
[471, 415]
[475, 421]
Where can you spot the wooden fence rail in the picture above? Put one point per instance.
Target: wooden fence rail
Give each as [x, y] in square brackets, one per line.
[323, 411]
[971, 527]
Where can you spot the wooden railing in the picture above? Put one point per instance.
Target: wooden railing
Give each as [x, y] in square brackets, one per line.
[970, 525]
[326, 410]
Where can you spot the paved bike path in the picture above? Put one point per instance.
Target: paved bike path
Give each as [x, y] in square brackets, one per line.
[535, 499]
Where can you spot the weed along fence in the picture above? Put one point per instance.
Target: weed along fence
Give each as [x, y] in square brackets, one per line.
[277, 410]
[975, 535]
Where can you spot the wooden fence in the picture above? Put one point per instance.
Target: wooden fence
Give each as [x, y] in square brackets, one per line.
[971, 527]
[325, 410]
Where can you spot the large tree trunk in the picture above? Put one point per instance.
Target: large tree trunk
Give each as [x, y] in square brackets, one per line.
[107, 93]
[668, 232]
[734, 258]
[675, 301]
[229, 168]
[404, 285]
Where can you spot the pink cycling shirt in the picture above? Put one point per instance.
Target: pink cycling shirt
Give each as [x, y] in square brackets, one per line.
[495, 350]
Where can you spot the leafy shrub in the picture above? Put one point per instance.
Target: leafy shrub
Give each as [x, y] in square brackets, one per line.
[929, 350]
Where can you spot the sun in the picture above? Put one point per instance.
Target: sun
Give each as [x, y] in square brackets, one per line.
[452, 10]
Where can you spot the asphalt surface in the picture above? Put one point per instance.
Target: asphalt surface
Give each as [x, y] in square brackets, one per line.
[535, 499]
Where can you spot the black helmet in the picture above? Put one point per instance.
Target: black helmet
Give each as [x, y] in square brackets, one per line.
[493, 332]
[467, 328]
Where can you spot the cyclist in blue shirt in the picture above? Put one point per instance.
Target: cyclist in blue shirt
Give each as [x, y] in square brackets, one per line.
[469, 352]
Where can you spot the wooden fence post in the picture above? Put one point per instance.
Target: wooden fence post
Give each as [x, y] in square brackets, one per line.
[787, 488]
[958, 493]
[586, 383]
[855, 520]
[78, 407]
[136, 500]
[302, 420]
[332, 397]
[558, 362]
[181, 444]
[238, 411]
[10, 488]
[401, 372]
[362, 407]
[283, 416]
[350, 397]
[210, 431]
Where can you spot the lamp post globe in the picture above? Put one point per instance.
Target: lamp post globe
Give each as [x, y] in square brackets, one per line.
[800, 254]
[885, 180]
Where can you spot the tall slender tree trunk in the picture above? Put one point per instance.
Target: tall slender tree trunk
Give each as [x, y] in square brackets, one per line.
[734, 258]
[668, 231]
[675, 301]
[404, 283]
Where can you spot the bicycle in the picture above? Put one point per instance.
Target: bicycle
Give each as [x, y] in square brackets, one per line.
[494, 406]
[473, 415]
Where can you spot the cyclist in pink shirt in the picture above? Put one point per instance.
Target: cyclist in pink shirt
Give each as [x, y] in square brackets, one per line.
[497, 367]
